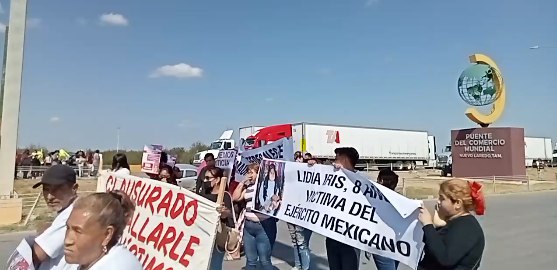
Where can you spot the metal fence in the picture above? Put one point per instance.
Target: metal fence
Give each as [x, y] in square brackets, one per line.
[35, 203]
[424, 188]
[38, 171]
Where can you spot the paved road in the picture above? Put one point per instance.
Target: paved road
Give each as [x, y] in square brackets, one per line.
[521, 231]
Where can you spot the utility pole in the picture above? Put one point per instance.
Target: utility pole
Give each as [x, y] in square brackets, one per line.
[10, 204]
[6, 29]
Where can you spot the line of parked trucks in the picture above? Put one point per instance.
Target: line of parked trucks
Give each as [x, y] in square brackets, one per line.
[405, 149]
[402, 149]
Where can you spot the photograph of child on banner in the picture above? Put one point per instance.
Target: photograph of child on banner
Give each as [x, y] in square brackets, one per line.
[270, 185]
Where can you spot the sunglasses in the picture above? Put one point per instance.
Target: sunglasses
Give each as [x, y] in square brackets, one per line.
[207, 178]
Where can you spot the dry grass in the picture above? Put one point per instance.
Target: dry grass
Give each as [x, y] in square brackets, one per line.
[424, 189]
[41, 213]
[135, 168]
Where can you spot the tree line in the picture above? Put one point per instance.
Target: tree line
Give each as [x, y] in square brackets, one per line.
[182, 154]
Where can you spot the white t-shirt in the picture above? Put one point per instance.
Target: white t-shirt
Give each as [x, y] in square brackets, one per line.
[123, 171]
[52, 241]
[118, 258]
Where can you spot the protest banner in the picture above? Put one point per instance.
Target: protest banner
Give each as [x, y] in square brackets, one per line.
[280, 150]
[342, 205]
[171, 228]
[151, 158]
[22, 257]
[225, 161]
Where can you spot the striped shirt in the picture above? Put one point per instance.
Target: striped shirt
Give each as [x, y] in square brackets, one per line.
[249, 196]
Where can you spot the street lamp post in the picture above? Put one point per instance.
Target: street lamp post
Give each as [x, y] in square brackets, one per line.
[117, 139]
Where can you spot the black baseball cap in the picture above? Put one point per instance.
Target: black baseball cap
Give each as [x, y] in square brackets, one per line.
[58, 175]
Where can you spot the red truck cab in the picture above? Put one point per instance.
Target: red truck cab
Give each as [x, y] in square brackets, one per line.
[268, 135]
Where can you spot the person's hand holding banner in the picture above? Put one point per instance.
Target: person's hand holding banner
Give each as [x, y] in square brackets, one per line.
[223, 211]
[425, 216]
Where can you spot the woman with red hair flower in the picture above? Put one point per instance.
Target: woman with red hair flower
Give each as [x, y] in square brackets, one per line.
[460, 242]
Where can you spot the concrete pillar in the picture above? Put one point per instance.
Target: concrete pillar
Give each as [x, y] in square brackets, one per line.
[10, 112]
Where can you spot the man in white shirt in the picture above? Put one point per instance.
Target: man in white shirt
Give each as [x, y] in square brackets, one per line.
[59, 191]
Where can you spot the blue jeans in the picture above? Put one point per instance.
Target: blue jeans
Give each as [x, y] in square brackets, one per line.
[384, 263]
[259, 239]
[300, 240]
[216, 259]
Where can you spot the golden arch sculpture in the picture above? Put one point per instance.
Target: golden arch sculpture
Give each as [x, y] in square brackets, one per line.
[498, 106]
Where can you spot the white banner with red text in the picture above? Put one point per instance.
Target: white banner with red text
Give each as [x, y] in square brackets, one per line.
[171, 228]
[342, 205]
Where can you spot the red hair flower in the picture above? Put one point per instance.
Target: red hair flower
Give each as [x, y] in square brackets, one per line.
[477, 197]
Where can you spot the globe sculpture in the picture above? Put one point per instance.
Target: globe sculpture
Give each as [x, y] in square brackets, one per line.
[476, 86]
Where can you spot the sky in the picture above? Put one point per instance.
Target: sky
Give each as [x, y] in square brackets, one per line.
[174, 72]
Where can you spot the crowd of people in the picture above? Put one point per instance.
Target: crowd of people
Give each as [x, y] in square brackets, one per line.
[85, 233]
[33, 163]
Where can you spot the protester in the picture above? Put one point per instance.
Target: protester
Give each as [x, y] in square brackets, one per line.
[209, 164]
[96, 163]
[389, 179]
[59, 191]
[260, 230]
[95, 225]
[81, 161]
[300, 236]
[298, 156]
[459, 244]
[211, 187]
[342, 256]
[167, 175]
[120, 164]
[307, 156]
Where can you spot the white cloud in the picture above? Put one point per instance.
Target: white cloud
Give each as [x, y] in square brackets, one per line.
[113, 19]
[181, 71]
[33, 22]
[269, 99]
[370, 3]
[2, 28]
[54, 119]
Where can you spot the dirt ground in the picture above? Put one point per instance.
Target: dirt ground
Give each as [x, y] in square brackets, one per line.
[419, 184]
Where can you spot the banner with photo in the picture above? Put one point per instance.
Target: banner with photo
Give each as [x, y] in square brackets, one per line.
[171, 228]
[342, 205]
[151, 159]
[280, 150]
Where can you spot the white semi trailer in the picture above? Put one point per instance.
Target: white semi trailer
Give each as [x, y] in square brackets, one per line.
[538, 148]
[376, 146]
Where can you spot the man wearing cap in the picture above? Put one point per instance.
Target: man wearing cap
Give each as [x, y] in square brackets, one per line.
[59, 191]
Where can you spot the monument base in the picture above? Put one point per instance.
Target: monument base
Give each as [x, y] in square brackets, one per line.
[488, 152]
[12, 211]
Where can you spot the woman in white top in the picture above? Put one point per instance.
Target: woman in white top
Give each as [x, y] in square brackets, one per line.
[260, 230]
[94, 228]
[120, 164]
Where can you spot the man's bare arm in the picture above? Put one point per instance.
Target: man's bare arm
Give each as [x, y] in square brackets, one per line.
[39, 255]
